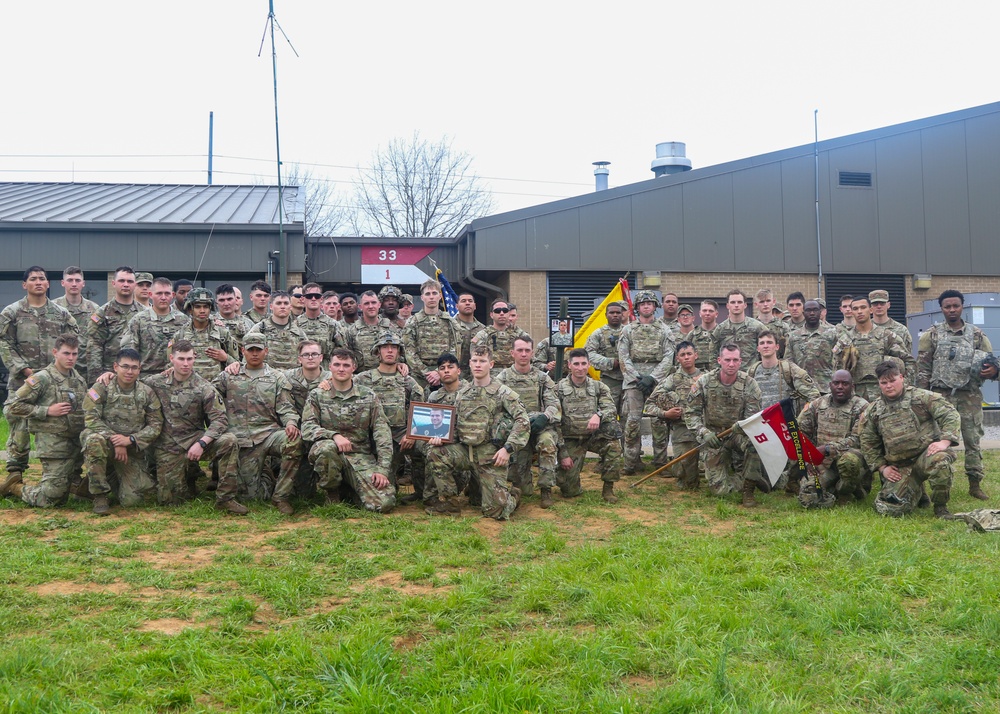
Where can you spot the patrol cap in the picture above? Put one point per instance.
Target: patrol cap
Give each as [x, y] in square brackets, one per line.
[878, 296]
[391, 291]
[646, 296]
[406, 299]
[618, 303]
[821, 301]
[255, 339]
[685, 307]
[143, 278]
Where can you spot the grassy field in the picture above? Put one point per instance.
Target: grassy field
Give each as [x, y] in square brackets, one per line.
[666, 602]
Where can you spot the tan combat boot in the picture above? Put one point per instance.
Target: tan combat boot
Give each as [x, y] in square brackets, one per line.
[748, 500]
[976, 490]
[14, 477]
[101, 506]
[232, 506]
[546, 501]
[284, 507]
[608, 492]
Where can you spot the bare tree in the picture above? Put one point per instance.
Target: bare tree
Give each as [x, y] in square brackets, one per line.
[324, 212]
[418, 188]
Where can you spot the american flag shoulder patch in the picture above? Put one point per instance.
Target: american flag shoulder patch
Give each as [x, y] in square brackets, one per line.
[92, 393]
[32, 381]
[95, 317]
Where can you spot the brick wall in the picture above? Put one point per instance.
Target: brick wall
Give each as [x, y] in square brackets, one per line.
[966, 283]
[692, 285]
[529, 290]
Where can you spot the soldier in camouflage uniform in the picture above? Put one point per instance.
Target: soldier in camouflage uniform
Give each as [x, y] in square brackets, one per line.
[491, 426]
[263, 419]
[861, 348]
[365, 332]
[150, 331]
[390, 300]
[316, 324]
[469, 328]
[602, 350]
[537, 394]
[143, 290]
[28, 332]
[122, 420]
[880, 316]
[796, 321]
[666, 403]
[81, 309]
[950, 361]
[718, 400]
[190, 402]
[702, 336]
[281, 334]
[811, 348]
[908, 435]
[589, 423]
[260, 297]
[544, 356]
[684, 325]
[646, 355]
[108, 324]
[738, 328]
[765, 313]
[499, 336]
[428, 335]
[302, 380]
[833, 424]
[51, 400]
[232, 319]
[352, 441]
[214, 346]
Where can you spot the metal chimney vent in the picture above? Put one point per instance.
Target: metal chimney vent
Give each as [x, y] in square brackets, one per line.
[670, 159]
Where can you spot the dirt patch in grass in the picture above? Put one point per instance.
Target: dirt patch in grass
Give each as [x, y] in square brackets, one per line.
[395, 581]
[182, 558]
[63, 588]
[169, 626]
[403, 643]
[640, 681]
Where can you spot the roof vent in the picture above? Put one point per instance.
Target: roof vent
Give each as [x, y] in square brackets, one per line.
[856, 179]
[670, 159]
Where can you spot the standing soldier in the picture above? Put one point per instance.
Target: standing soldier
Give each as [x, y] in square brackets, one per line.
[302, 380]
[107, 325]
[214, 346]
[143, 290]
[229, 313]
[364, 333]
[150, 331]
[702, 337]
[811, 347]
[537, 394]
[602, 350]
[833, 424]
[685, 323]
[352, 441]
[181, 289]
[718, 400]
[470, 327]
[428, 335]
[646, 354]
[492, 425]
[348, 308]
[260, 296]
[122, 420]
[589, 423]
[81, 309]
[670, 307]
[667, 403]
[880, 316]
[796, 320]
[29, 329]
[738, 328]
[189, 404]
[391, 298]
[908, 435]
[765, 313]
[544, 356]
[861, 348]
[317, 325]
[280, 333]
[499, 336]
[51, 400]
[953, 359]
[451, 383]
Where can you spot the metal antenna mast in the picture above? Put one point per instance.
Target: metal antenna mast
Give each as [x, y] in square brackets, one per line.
[269, 26]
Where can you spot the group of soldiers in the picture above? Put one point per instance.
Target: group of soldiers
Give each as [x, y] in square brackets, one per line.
[311, 392]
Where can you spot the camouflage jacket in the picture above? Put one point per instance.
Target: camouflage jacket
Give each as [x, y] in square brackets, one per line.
[645, 349]
[257, 405]
[41, 390]
[714, 406]
[443, 396]
[706, 347]
[81, 313]
[187, 406]
[949, 352]
[238, 325]
[325, 330]
[785, 379]
[150, 334]
[282, 342]
[835, 425]
[395, 392]
[215, 335]
[501, 342]
[28, 336]
[543, 354]
[468, 330]
[872, 347]
[896, 432]
[104, 335]
[580, 403]
[743, 334]
[602, 350]
[361, 337]
[300, 385]
[900, 331]
[672, 392]
[812, 350]
[427, 337]
[536, 390]
[483, 414]
[255, 317]
[110, 410]
[356, 414]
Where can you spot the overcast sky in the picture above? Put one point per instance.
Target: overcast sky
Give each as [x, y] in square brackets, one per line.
[121, 91]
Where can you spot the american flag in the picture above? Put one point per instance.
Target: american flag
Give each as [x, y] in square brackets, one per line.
[447, 291]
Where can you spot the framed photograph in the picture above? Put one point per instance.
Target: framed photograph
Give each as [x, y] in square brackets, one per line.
[430, 420]
[562, 332]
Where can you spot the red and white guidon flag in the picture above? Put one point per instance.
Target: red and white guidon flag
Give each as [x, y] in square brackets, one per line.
[774, 432]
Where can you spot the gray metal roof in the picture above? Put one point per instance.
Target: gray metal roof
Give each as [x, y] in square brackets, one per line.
[146, 204]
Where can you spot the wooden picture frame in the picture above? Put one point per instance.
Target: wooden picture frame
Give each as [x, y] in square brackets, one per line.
[427, 421]
[561, 332]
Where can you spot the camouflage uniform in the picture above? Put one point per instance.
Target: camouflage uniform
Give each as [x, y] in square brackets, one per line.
[897, 433]
[215, 335]
[643, 349]
[544, 353]
[673, 392]
[427, 337]
[282, 342]
[57, 438]
[501, 342]
[255, 317]
[780, 330]
[427, 490]
[900, 331]
[395, 393]
[105, 332]
[81, 314]
[361, 337]
[947, 364]
[844, 471]
[483, 415]
[706, 347]
[260, 407]
[356, 415]
[578, 405]
[872, 347]
[744, 334]
[602, 350]
[109, 411]
[537, 393]
[238, 325]
[324, 330]
[784, 380]
[187, 406]
[812, 350]
[713, 407]
[468, 330]
[150, 334]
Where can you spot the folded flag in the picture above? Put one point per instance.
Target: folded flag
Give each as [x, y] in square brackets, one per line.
[774, 433]
[447, 291]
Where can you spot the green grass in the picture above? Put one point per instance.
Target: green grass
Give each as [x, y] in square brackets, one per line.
[667, 602]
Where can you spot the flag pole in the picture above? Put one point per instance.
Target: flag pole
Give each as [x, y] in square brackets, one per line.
[682, 457]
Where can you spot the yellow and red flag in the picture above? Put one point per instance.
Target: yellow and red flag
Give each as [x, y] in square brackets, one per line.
[598, 318]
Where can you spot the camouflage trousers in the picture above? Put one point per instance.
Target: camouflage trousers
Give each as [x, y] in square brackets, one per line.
[445, 461]
[901, 497]
[519, 471]
[610, 466]
[687, 472]
[334, 468]
[969, 403]
[18, 439]
[634, 400]
[427, 488]
[727, 468]
[660, 429]
[62, 463]
[841, 476]
[257, 480]
[128, 480]
[171, 469]
[617, 393]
